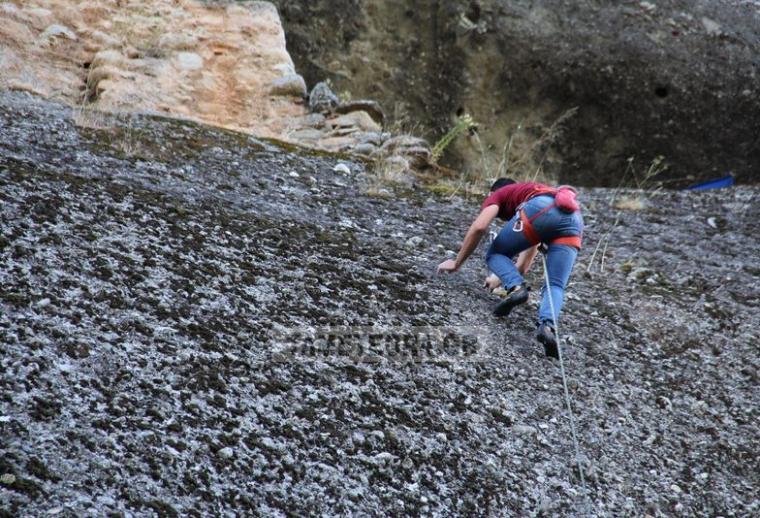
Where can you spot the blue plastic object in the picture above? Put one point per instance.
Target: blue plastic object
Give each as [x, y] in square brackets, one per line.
[718, 183]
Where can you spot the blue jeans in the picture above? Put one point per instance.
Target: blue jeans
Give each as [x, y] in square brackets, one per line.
[559, 259]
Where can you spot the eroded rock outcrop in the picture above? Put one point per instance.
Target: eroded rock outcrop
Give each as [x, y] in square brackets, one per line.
[223, 63]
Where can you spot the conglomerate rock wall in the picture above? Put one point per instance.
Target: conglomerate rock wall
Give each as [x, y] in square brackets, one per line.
[155, 273]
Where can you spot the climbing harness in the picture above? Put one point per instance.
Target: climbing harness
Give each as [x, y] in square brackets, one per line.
[492, 235]
[562, 371]
[564, 199]
[518, 226]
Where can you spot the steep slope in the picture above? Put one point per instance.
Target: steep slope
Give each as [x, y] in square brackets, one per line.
[154, 271]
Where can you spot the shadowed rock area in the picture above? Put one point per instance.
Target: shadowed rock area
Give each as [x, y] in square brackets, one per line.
[149, 269]
[677, 78]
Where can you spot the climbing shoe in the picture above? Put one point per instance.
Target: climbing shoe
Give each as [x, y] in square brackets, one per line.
[516, 296]
[548, 337]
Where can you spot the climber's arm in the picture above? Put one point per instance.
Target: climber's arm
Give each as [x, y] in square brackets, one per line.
[475, 233]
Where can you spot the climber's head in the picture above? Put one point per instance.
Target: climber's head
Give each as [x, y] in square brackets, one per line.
[501, 182]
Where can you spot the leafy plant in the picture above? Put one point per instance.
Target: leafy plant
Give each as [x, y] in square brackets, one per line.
[464, 123]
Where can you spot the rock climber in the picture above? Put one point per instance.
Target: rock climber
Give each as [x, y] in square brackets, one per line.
[536, 214]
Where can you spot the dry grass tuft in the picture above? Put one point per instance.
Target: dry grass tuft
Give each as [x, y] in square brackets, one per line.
[387, 172]
[117, 129]
[526, 163]
[87, 116]
[646, 185]
[522, 156]
[631, 203]
[127, 141]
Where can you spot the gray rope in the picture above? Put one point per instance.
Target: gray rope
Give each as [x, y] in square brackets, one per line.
[564, 379]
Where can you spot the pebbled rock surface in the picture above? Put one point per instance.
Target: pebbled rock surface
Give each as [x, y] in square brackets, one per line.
[146, 269]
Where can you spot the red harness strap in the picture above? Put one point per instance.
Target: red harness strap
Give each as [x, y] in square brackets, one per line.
[574, 241]
[538, 191]
[532, 236]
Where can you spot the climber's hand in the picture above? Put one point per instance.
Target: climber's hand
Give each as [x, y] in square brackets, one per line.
[447, 266]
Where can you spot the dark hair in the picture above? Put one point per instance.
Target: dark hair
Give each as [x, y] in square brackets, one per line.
[501, 182]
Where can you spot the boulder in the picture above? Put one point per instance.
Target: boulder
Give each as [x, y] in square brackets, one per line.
[337, 143]
[414, 150]
[357, 119]
[312, 120]
[365, 149]
[404, 142]
[306, 135]
[375, 138]
[58, 31]
[345, 131]
[289, 85]
[371, 107]
[322, 99]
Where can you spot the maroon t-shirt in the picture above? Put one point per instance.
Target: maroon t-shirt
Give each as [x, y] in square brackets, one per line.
[509, 197]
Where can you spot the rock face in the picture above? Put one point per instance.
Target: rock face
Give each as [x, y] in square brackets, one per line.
[677, 78]
[150, 273]
[224, 64]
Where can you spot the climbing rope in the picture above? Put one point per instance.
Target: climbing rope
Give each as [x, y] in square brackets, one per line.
[564, 378]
